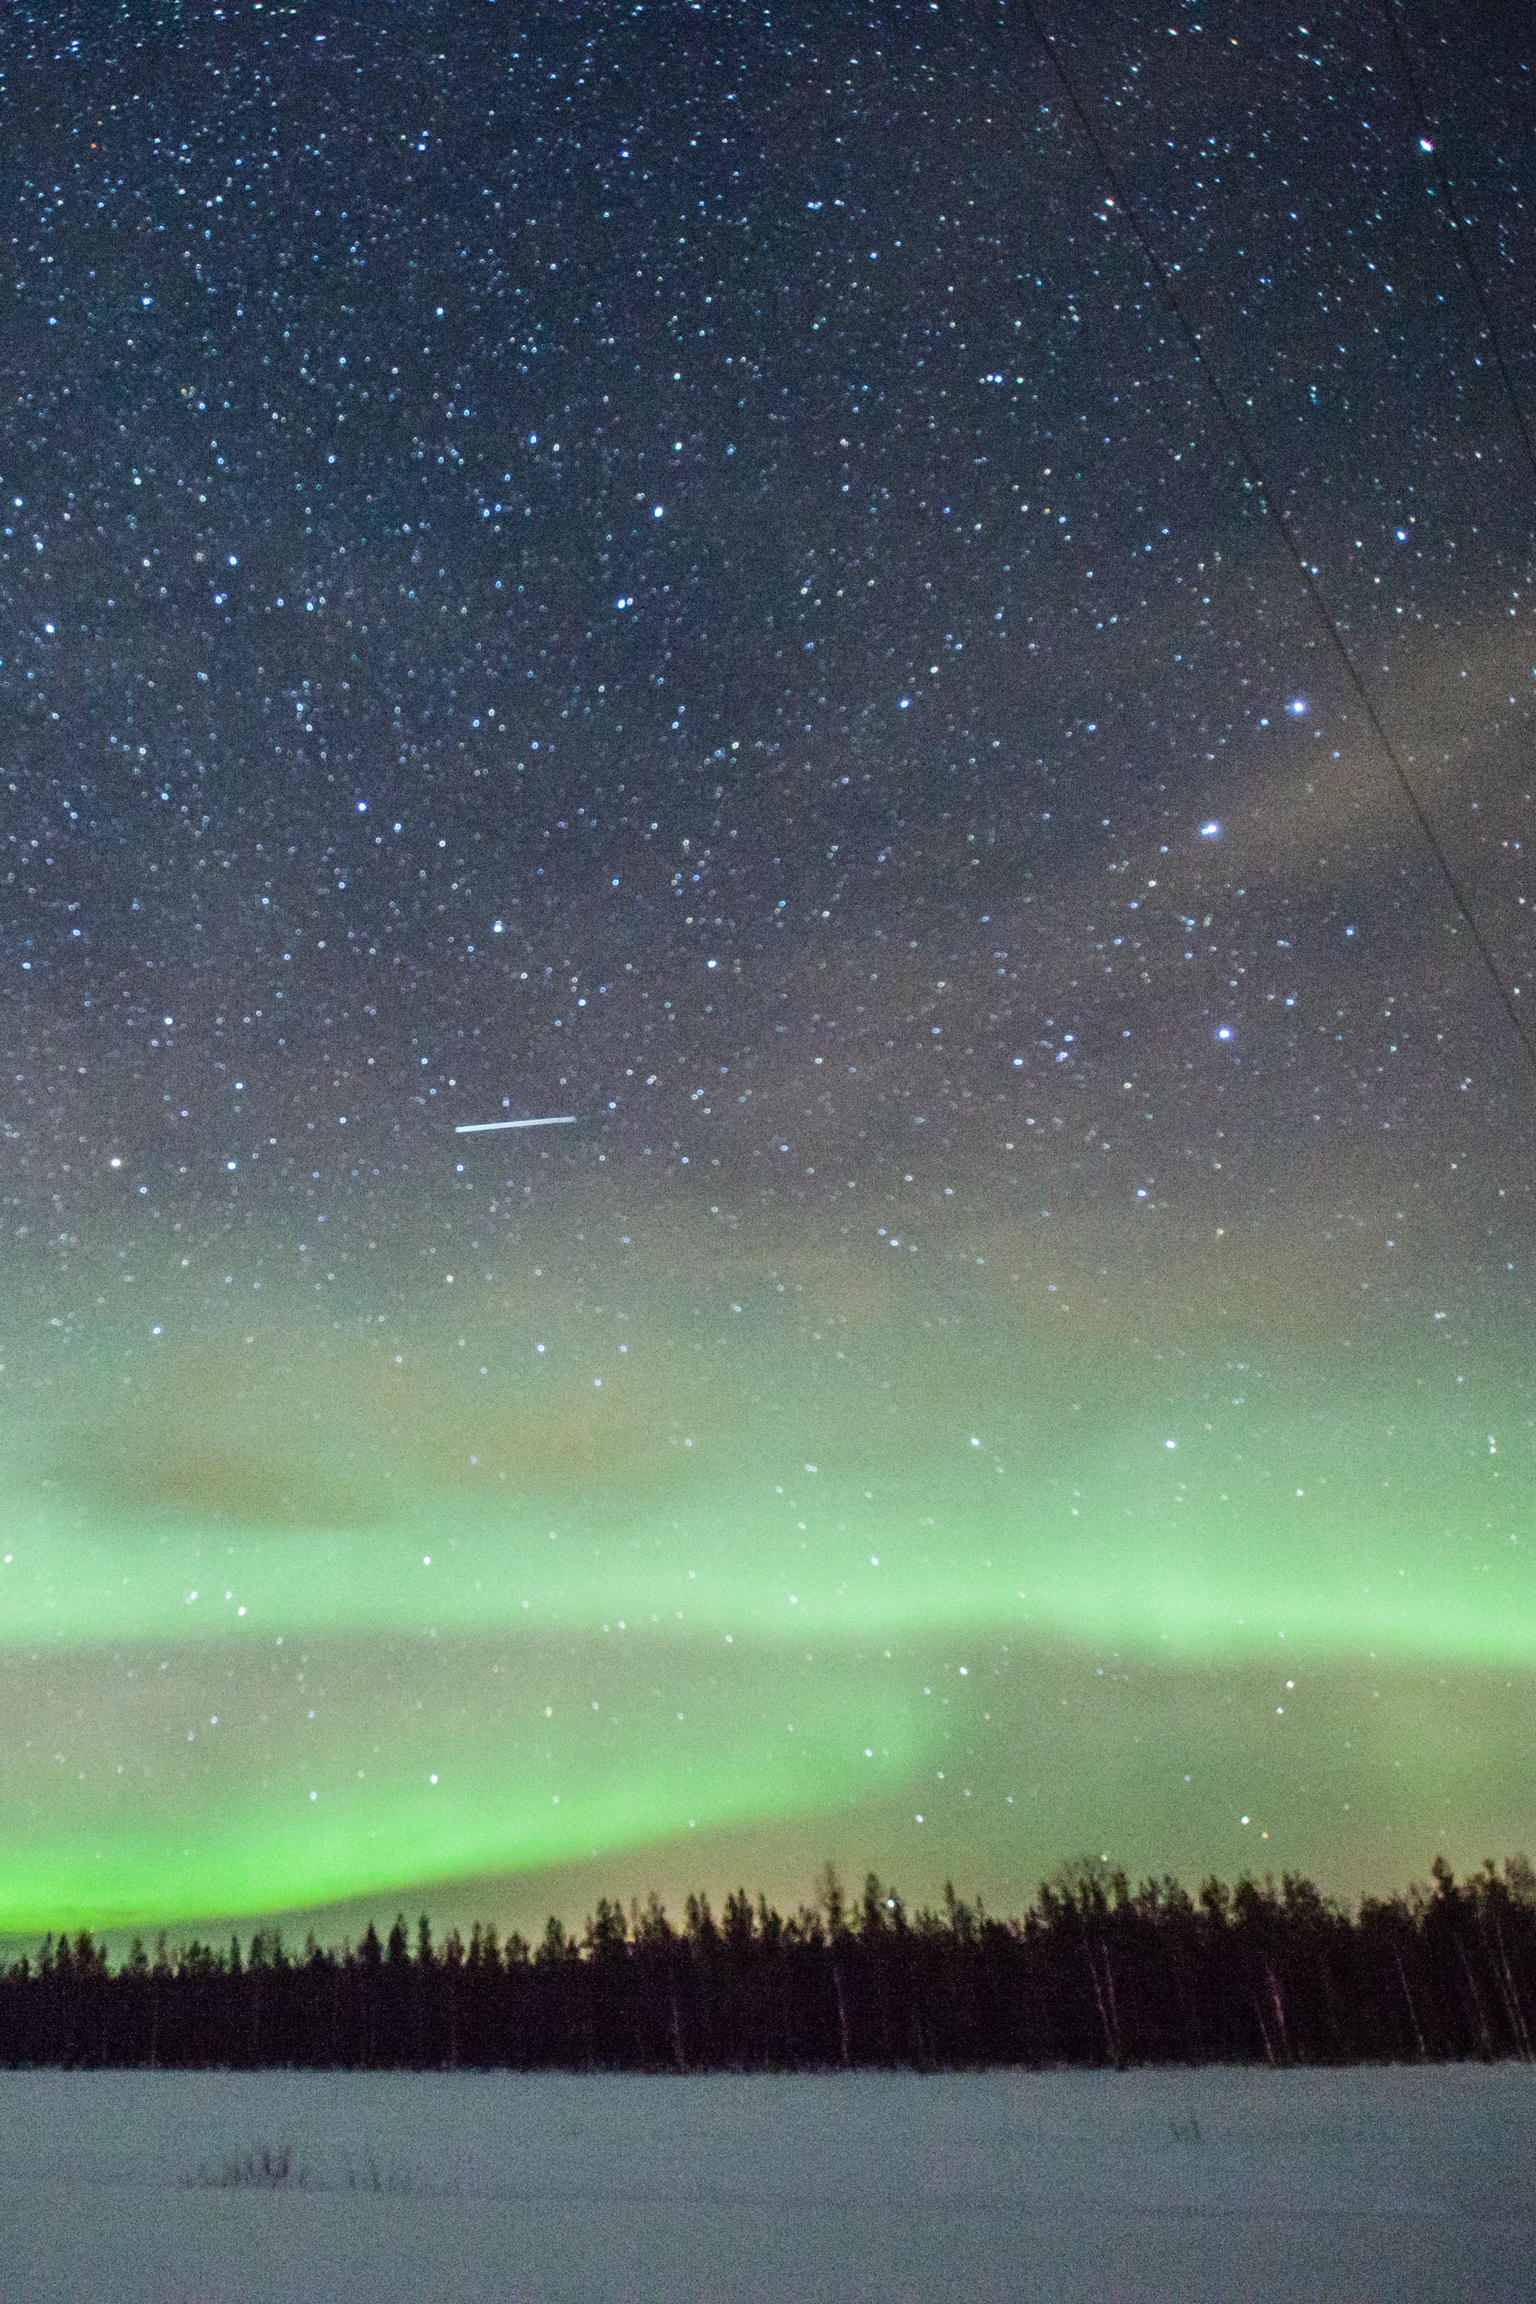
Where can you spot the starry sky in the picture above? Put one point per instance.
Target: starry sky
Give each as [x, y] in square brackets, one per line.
[674, 569]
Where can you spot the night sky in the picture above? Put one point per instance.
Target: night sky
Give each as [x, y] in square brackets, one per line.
[672, 567]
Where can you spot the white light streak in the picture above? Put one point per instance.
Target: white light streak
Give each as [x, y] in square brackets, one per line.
[483, 1127]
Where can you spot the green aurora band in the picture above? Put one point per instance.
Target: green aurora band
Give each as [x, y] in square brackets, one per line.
[686, 1542]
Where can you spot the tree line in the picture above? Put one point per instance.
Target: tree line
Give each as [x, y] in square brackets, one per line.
[1095, 1973]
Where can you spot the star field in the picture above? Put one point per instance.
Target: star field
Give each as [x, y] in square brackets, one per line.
[677, 568]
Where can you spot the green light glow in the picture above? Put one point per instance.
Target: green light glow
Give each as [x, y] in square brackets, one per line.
[256, 1597]
[373, 1791]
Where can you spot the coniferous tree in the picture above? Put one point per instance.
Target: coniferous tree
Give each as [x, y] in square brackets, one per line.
[1094, 1973]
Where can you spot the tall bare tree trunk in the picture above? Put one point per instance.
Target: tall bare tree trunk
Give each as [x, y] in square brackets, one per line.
[1477, 2000]
[1516, 2013]
[1413, 2014]
[1278, 2004]
[842, 2010]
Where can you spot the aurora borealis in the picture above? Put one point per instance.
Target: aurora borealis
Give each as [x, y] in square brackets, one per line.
[708, 599]
[484, 1604]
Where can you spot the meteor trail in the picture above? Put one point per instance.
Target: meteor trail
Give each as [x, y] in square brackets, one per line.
[481, 1127]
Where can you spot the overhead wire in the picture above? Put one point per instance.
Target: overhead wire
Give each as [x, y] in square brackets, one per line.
[1429, 145]
[1254, 473]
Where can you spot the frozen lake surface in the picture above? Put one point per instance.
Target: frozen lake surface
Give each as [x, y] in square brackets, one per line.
[1363, 2184]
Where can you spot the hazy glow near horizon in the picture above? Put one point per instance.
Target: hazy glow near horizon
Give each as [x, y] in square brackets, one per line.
[326, 1607]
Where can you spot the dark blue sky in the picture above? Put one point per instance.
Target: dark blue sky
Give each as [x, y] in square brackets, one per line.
[616, 561]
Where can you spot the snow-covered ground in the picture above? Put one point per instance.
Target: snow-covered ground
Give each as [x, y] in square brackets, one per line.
[1307, 2185]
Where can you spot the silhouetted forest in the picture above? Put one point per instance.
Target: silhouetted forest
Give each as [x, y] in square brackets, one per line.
[1096, 1973]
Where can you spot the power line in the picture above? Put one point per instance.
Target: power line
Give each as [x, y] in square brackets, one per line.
[1429, 144]
[1254, 470]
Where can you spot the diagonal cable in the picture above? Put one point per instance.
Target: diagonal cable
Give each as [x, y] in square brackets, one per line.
[1249, 458]
[1429, 144]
